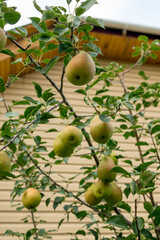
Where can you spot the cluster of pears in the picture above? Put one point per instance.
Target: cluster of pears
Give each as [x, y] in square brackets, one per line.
[66, 141]
[3, 39]
[81, 69]
[105, 188]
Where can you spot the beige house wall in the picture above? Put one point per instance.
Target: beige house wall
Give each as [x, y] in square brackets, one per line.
[9, 217]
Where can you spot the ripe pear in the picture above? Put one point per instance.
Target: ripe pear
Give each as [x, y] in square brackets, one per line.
[104, 169]
[60, 148]
[102, 190]
[116, 195]
[81, 69]
[113, 156]
[3, 39]
[5, 162]
[100, 131]
[31, 198]
[71, 136]
[90, 197]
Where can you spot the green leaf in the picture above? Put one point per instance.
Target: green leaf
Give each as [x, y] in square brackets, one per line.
[95, 22]
[81, 91]
[7, 174]
[147, 190]
[37, 7]
[51, 63]
[11, 114]
[95, 233]
[140, 143]
[22, 31]
[57, 201]
[2, 85]
[117, 221]
[104, 118]
[148, 207]
[52, 130]
[155, 129]
[129, 105]
[73, 21]
[85, 28]
[8, 52]
[140, 223]
[84, 7]
[10, 232]
[143, 38]
[31, 100]
[144, 166]
[28, 111]
[60, 222]
[37, 140]
[38, 89]
[81, 232]
[155, 212]
[143, 75]
[35, 21]
[12, 18]
[98, 100]
[128, 117]
[23, 102]
[118, 169]
[124, 206]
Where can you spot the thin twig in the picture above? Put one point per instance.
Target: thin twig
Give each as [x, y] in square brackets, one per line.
[138, 231]
[62, 78]
[34, 223]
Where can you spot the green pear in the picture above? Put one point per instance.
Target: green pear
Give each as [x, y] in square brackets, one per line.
[31, 198]
[3, 39]
[90, 197]
[5, 162]
[71, 136]
[116, 195]
[104, 169]
[101, 189]
[60, 148]
[113, 156]
[81, 69]
[100, 131]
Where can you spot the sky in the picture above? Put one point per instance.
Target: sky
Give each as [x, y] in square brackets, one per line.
[144, 13]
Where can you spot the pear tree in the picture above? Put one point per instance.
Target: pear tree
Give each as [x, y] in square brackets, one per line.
[105, 204]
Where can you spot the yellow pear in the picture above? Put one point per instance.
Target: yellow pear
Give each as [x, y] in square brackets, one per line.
[116, 195]
[31, 198]
[104, 169]
[5, 162]
[3, 39]
[100, 131]
[71, 136]
[90, 197]
[60, 148]
[101, 189]
[81, 69]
